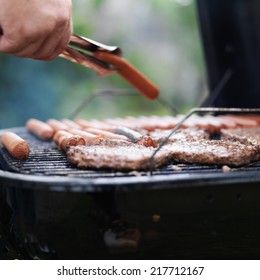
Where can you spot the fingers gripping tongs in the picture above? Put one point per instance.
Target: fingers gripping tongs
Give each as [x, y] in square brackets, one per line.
[106, 60]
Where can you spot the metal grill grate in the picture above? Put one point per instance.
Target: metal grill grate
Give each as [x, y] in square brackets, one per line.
[46, 160]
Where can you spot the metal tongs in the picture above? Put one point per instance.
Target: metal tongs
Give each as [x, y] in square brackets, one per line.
[106, 60]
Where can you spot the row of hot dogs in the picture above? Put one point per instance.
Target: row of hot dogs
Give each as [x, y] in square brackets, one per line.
[66, 133]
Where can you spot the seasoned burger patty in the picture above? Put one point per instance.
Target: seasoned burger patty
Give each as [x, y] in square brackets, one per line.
[246, 135]
[114, 154]
[122, 155]
[243, 134]
[219, 152]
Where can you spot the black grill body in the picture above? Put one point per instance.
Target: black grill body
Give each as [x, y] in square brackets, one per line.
[231, 42]
[51, 210]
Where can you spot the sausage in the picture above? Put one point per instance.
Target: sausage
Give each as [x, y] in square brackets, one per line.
[70, 123]
[251, 117]
[74, 140]
[57, 125]
[239, 121]
[15, 145]
[106, 134]
[93, 123]
[59, 135]
[89, 138]
[147, 141]
[131, 74]
[40, 129]
[64, 139]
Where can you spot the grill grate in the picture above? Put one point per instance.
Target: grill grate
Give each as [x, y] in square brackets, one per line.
[46, 160]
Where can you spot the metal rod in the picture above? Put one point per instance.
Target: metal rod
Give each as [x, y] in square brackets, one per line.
[167, 105]
[215, 93]
[219, 87]
[201, 110]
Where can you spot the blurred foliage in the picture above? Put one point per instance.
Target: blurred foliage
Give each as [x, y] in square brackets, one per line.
[161, 38]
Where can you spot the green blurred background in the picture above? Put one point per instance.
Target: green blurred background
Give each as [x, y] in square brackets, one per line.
[159, 37]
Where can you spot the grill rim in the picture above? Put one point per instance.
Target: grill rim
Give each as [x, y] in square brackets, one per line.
[154, 182]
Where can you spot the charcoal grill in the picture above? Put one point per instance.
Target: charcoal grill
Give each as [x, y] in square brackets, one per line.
[51, 210]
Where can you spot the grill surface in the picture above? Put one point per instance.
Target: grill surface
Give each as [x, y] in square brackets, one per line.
[47, 162]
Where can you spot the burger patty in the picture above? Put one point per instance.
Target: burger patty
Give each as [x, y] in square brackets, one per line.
[115, 154]
[122, 155]
[246, 135]
[219, 152]
[242, 134]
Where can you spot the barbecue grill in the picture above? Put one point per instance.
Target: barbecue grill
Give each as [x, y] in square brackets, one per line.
[52, 210]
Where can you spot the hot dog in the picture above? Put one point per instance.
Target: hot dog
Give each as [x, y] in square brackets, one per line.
[15, 145]
[131, 74]
[106, 134]
[40, 129]
[93, 123]
[74, 140]
[59, 135]
[70, 124]
[89, 138]
[57, 125]
[64, 139]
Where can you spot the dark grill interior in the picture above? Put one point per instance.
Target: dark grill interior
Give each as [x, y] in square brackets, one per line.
[46, 160]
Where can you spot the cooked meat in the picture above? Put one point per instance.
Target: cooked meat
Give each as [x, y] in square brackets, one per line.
[151, 123]
[243, 134]
[115, 154]
[246, 135]
[238, 146]
[240, 120]
[255, 117]
[219, 152]
[147, 141]
[121, 155]
[213, 124]
[105, 134]
[92, 123]
[188, 134]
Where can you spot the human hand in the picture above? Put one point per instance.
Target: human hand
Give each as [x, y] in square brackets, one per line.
[38, 29]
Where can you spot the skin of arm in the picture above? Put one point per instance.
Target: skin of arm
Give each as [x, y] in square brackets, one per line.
[38, 29]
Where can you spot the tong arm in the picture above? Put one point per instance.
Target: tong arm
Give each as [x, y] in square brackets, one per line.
[86, 44]
[80, 50]
[105, 60]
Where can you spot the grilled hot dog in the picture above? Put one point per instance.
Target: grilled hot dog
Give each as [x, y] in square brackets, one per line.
[40, 129]
[15, 145]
